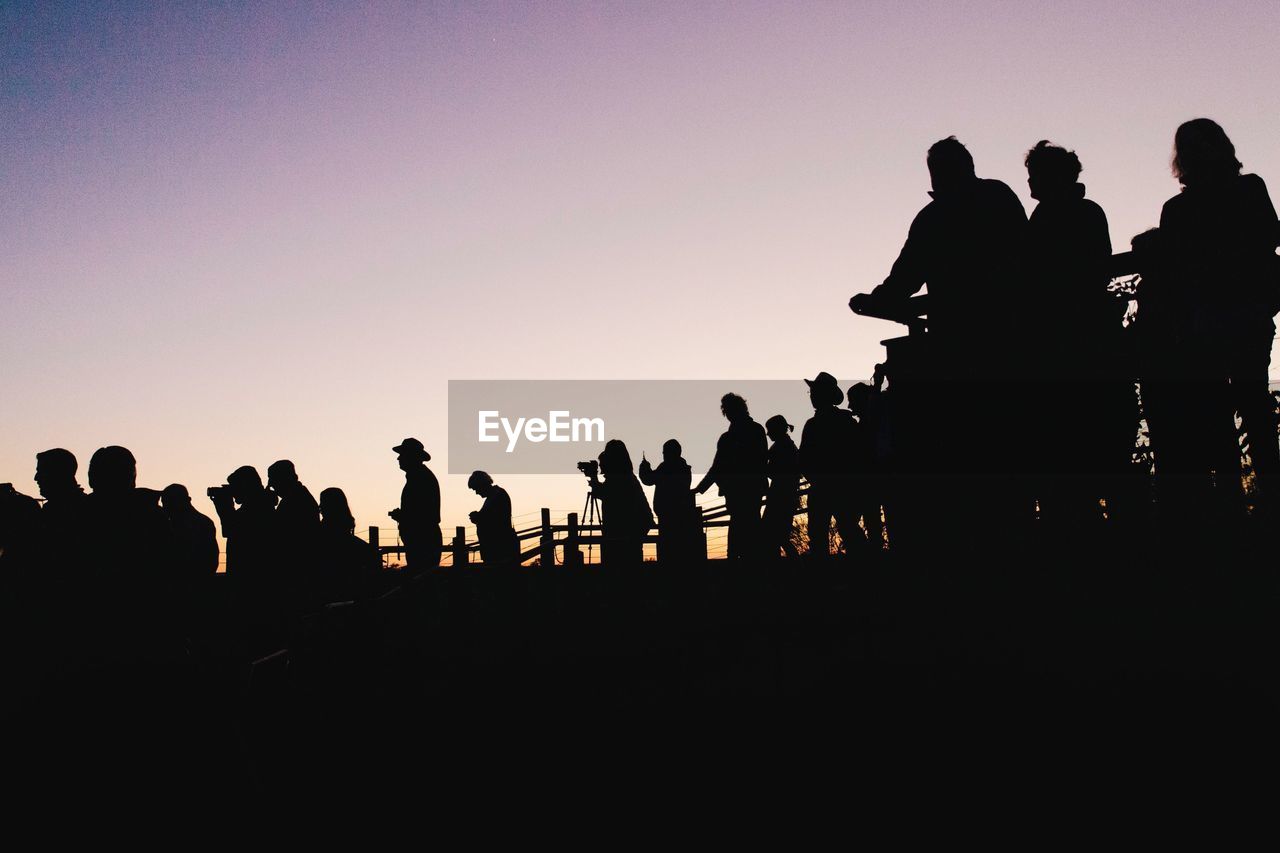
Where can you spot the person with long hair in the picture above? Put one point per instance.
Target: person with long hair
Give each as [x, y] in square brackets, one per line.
[624, 509]
[1220, 235]
[740, 470]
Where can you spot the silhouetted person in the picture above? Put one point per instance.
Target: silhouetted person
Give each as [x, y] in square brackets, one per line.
[783, 468]
[1175, 384]
[136, 591]
[297, 527]
[864, 405]
[497, 538]
[740, 470]
[1084, 418]
[826, 460]
[1220, 236]
[65, 513]
[625, 516]
[350, 567]
[967, 246]
[679, 520]
[195, 537]
[19, 534]
[419, 512]
[297, 512]
[247, 512]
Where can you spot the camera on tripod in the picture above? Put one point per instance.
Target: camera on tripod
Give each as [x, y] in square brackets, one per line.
[590, 468]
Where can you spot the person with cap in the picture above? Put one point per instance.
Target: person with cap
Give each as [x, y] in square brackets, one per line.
[195, 536]
[297, 513]
[498, 543]
[297, 527]
[419, 512]
[678, 516]
[784, 487]
[825, 455]
[739, 469]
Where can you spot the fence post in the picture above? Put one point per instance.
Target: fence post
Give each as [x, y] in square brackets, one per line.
[572, 556]
[460, 547]
[547, 553]
[373, 538]
[702, 531]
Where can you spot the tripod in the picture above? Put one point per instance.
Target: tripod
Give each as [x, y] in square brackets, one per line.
[591, 515]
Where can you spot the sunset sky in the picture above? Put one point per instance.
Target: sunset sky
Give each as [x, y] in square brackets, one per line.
[233, 233]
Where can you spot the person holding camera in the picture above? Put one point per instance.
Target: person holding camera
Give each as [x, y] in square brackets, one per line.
[678, 515]
[247, 512]
[498, 543]
[419, 512]
[625, 516]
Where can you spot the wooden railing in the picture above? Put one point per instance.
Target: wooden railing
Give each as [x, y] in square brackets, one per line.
[549, 540]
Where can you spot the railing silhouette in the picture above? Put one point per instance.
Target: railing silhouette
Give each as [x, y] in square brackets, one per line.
[566, 540]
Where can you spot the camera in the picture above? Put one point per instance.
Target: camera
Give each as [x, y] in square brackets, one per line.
[216, 492]
[590, 468]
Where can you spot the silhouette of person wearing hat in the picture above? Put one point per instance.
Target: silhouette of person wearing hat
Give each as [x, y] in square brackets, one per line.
[419, 512]
[784, 487]
[826, 450]
[740, 470]
[499, 546]
[678, 515]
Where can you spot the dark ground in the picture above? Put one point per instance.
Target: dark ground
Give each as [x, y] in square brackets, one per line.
[464, 684]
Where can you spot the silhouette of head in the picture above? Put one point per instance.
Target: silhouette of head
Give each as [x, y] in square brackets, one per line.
[776, 427]
[859, 397]
[335, 510]
[671, 449]
[615, 460]
[175, 498]
[480, 483]
[112, 470]
[245, 482]
[950, 165]
[824, 390]
[1051, 170]
[56, 472]
[410, 452]
[734, 408]
[1202, 153]
[281, 475]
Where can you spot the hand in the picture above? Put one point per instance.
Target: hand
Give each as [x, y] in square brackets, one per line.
[473, 515]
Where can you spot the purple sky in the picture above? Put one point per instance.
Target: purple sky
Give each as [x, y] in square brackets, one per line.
[235, 233]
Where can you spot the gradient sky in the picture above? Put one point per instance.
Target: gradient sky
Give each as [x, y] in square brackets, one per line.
[238, 232]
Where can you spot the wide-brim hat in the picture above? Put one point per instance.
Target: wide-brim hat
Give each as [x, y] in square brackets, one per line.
[412, 447]
[827, 383]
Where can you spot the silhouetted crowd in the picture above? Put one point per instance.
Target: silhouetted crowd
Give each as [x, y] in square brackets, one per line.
[1015, 406]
